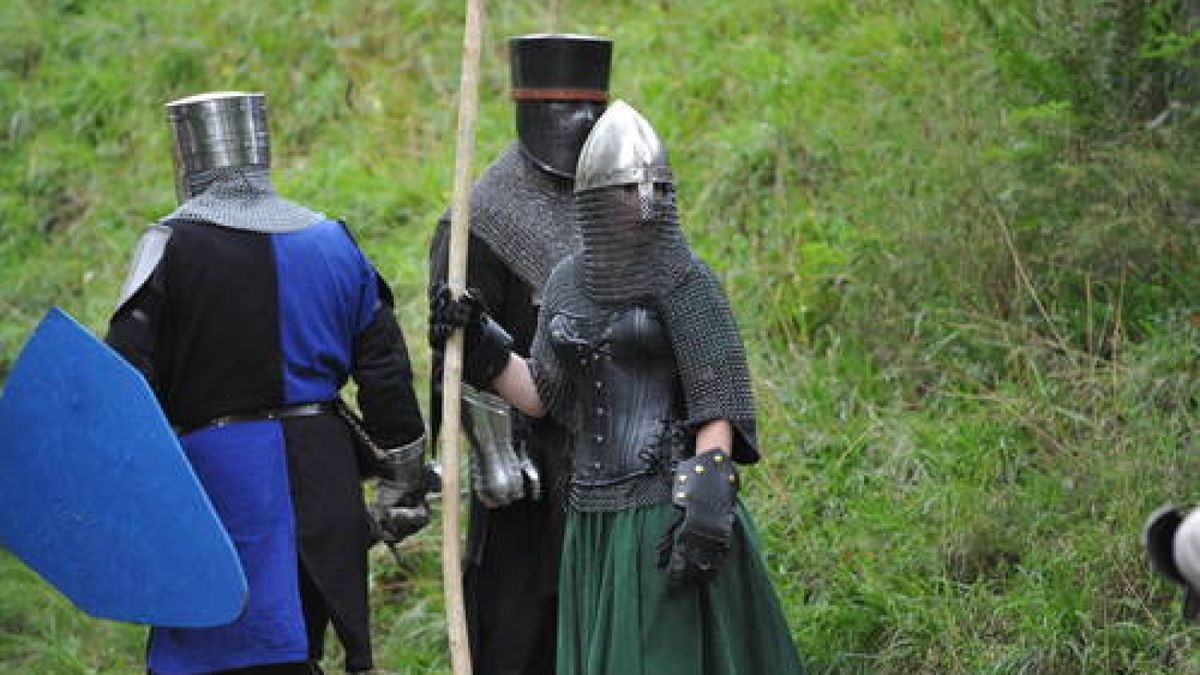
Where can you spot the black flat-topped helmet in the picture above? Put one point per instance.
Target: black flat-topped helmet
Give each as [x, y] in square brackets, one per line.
[560, 87]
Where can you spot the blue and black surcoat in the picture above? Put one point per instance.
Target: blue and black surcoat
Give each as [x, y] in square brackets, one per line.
[236, 331]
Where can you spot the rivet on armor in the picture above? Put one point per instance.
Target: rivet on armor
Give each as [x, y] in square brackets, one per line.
[681, 495]
[718, 458]
[732, 478]
[683, 478]
[699, 468]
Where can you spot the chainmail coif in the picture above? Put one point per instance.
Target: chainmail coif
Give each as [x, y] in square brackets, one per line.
[630, 251]
[242, 198]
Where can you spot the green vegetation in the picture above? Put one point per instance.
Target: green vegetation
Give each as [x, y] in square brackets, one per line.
[962, 237]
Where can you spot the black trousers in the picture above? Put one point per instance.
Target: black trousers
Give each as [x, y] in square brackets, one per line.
[511, 614]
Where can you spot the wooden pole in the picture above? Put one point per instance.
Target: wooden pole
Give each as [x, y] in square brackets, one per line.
[468, 104]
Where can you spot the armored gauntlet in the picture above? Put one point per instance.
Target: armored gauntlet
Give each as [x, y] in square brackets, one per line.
[400, 509]
[495, 468]
[695, 547]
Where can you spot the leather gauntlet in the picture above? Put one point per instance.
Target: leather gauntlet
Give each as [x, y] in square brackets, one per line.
[696, 546]
[486, 345]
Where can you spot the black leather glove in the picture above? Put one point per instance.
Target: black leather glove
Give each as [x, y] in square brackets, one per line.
[486, 345]
[696, 546]
[400, 509]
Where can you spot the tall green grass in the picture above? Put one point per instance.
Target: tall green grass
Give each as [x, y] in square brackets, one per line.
[961, 238]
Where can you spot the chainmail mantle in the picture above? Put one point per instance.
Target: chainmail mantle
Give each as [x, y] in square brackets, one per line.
[707, 347]
[242, 198]
[524, 215]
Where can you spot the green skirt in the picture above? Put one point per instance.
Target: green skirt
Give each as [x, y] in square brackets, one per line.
[617, 615]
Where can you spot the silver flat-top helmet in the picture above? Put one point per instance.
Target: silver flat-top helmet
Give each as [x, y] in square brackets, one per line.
[222, 165]
[216, 130]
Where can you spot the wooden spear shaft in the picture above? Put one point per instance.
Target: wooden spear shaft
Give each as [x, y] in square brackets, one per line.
[468, 104]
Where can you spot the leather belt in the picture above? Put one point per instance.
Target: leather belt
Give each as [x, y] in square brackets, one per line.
[282, 412]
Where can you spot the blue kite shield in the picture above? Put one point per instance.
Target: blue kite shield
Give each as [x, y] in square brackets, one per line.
[96, 494]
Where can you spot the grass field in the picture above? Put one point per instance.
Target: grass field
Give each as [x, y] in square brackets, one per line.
[962, 239]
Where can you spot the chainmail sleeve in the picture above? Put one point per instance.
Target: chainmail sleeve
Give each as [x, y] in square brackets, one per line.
[712, 359]
[554, 387]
